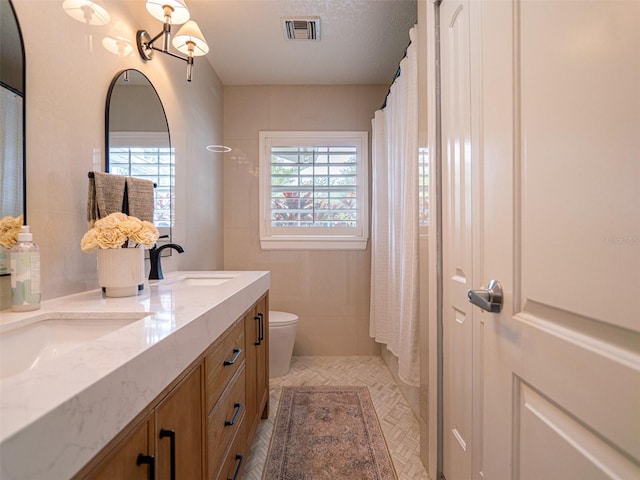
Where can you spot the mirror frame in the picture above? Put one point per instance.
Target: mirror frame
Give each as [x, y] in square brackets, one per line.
[23, 94]
[107, 132]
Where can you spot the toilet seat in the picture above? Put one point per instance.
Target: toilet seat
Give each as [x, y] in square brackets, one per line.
[282, 319]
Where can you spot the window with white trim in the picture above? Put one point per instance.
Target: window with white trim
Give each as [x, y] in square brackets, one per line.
[314, 190]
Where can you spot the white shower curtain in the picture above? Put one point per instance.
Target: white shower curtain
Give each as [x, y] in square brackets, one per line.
[394, 235]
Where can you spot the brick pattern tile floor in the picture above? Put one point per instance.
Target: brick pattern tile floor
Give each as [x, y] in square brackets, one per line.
[398, 422]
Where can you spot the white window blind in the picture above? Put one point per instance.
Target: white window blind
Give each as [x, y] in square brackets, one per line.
[314, 190]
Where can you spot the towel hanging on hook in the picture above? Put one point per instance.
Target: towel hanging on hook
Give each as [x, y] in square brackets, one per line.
[106, 195]
[90, 175]
[109, 193]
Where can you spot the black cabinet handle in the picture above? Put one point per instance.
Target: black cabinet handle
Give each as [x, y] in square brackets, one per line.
[261, 327]
[259, 331]
[237, 352]
[238, 407]
[148, 460]
[235, 475]
[171, 434]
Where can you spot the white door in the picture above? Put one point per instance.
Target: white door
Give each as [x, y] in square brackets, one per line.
[458, 326]
[558, 201]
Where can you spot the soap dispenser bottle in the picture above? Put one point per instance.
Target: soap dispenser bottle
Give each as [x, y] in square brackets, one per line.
[25, 273]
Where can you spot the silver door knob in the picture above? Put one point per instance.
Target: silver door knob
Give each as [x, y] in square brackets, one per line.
[489, 299]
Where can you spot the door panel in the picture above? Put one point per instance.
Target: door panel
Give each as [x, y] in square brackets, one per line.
[596, 380]
[546, 431]
[560, 142]
[580, 127]
[457, 321]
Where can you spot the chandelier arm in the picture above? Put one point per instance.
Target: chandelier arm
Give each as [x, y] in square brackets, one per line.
[168, 53]
[156, 38]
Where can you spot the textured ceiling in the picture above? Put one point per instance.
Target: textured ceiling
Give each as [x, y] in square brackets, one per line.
[361, 41]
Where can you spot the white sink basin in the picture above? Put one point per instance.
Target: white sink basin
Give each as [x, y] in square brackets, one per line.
[36, 342]
[204, 279]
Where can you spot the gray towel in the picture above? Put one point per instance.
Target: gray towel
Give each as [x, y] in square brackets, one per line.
[106, 195]
[140, 198]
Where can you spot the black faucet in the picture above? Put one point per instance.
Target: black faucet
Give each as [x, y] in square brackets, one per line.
[154, 258]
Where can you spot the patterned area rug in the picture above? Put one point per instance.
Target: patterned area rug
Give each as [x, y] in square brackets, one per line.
[324, 432]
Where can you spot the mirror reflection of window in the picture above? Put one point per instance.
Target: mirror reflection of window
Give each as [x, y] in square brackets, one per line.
[12, 91]
[138, 141]
[11, 172]
[145, 155]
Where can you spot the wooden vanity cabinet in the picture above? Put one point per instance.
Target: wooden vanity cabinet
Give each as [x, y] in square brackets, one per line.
[256, 322]
[203, 424]
[165, 443]
[178, 430]
[123, 463]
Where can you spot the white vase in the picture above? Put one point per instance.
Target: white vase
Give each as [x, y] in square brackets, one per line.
[120, 271]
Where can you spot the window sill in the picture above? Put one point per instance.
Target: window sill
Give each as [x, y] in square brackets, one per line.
[297, 243]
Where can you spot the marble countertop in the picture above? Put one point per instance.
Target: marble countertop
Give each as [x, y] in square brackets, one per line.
[56, 416]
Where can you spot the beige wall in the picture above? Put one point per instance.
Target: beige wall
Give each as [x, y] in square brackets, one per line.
[68, 75]
[328, 290]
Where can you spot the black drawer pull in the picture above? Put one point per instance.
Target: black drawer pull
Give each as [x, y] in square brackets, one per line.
[148, 460]
[171, 435]
[235, 475]
[261, 316]
[238, 407]
[258, 318]
[237, 352]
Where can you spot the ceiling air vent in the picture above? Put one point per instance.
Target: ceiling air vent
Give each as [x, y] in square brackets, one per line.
[301, 28]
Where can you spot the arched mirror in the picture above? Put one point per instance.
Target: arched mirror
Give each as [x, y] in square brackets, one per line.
[12, 114]
[138, 143]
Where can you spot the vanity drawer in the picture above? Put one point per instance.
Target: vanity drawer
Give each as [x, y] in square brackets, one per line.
[230, 408]
[236, 458]
[222, 361]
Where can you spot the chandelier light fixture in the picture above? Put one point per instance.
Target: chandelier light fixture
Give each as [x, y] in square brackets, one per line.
[189, 39]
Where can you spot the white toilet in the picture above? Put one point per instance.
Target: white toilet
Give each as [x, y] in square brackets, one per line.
[282, 336]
